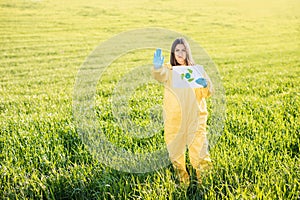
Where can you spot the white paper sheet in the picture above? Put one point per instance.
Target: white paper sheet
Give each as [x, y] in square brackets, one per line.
[186, 76]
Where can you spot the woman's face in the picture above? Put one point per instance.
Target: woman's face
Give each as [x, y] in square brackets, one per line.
[180, 54]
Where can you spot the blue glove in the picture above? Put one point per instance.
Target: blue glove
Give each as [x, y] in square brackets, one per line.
[158, 59]
[202, 81]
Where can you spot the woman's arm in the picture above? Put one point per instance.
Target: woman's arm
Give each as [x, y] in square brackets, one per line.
[207, 91]
[160, 74]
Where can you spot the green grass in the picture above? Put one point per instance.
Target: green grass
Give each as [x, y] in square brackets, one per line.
[43, 44]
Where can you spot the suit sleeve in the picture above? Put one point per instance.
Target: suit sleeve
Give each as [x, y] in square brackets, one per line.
[209, 90]
[205, 92]
[161, 74]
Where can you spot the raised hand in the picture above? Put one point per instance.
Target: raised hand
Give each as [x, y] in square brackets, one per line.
[202, 81]
[158, 59]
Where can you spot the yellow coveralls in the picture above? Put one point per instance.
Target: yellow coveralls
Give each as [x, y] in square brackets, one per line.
[185, 117]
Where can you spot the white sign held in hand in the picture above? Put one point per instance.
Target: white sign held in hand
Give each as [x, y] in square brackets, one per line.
[187, 76]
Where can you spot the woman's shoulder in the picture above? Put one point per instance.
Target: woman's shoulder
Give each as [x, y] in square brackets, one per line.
[200, 67]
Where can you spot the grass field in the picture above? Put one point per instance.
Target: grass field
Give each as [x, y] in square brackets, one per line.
[256, 47]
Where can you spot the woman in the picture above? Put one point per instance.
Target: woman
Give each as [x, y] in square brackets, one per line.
[185, 112]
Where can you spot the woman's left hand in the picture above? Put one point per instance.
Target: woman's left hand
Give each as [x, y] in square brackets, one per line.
[202, 81]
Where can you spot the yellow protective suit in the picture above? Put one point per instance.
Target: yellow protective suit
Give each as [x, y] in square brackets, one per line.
[185, 116]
